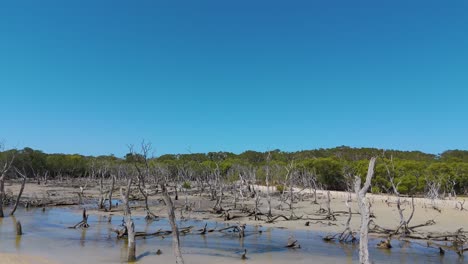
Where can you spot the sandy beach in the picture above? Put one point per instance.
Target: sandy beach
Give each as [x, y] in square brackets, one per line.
[23, 259]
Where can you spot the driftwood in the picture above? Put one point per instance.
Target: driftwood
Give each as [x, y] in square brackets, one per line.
[461, 208]
[385, 244]
[51, 203]
[185, 230]
[150, 216]
[457, 239]
[328, 238]
[227, 215]
[123, 232]
[273, 219]
[237, 228]
[292, 243]
[244, 256]
[374, 228]
[84, 222]
[203, 231]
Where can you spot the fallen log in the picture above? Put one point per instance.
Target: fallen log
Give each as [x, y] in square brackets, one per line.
[292, 243]
[271, 220]
[83, 223]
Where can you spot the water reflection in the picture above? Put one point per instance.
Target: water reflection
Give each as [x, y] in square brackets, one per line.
[83, 237]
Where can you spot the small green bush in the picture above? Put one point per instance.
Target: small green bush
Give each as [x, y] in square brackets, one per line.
[186, 185]
[375, 189]
[280, 188]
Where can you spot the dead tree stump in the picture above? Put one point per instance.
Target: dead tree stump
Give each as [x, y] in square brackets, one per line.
[19, 229]
[131, 241]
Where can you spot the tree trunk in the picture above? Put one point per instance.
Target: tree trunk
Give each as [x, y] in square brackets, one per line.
[328, 203]
[131, 239]
[142, 191]
[101, 193]
[268, 194]
[347, 232]
[175, 230]
[267, 181]
[125, 197]
[110, 193]
[19, 195]
[364, 210]
[2, 193]
[3, 171]
[130, 226]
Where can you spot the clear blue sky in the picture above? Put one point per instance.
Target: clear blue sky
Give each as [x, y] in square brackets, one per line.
[91, 77]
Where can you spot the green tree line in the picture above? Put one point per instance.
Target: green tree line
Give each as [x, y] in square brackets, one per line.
[413, 171]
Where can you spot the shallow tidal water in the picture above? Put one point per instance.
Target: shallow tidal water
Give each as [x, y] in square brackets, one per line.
[46, 234]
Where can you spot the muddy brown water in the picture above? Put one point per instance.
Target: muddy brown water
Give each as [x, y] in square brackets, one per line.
[46, 234]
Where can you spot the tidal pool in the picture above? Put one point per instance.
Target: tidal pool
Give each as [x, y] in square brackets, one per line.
[46, 234]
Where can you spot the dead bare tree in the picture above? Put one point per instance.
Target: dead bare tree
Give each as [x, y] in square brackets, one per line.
[111, 192]
[347, 234]
[267, 181]
[289, 180]
[216, 186]
[23, 183]
[142, 166]
[364, 208]
[310, 180]
[248, 176]
[82, 189]
[240, 186]
[213, 182]
[6, 161]
[172, 220]
[45, 177]
[102, 172]
[432, 191]
[461, 208]
[186, 173]
[256, 204]
[450, 186]
[391, 171]
[125, 195]
[129, 225]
